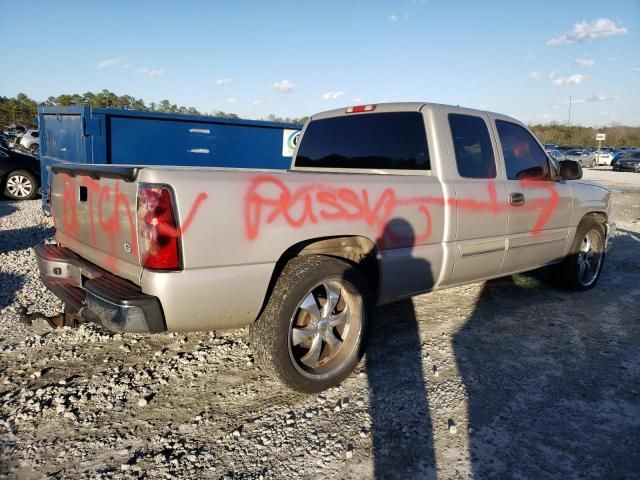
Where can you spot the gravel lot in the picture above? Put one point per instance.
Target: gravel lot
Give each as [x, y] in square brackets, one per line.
[509, 378]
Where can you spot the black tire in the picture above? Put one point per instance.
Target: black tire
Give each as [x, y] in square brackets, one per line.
[568, 274]
[28, 189]
[286, 320]
[34, 149]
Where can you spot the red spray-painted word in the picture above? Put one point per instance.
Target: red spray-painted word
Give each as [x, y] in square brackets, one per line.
[99, 197]
[313, 203]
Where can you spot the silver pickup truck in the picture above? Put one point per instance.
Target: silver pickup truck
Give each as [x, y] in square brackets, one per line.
[382, 202]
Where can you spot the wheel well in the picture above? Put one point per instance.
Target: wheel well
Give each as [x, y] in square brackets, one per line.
[599, 217]
[358, 251]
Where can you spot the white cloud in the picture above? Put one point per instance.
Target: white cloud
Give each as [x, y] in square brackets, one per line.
[109, 62]
[257, 101]
[635, 69]
[231, 100]
[535, 75]
[224, 81]
[600, 97]
[392, 18]
[284, 86]
[332, 95]
[575, 79]
[587, 31]
[149, 73]
[584, 62]
[552, 75]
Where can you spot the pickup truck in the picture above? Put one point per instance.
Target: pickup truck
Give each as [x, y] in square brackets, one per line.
[382, 202]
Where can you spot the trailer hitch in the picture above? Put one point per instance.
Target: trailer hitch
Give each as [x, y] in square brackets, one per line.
[64, 319]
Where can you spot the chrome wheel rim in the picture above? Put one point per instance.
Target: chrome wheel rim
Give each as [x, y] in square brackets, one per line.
[19, 186]
[325, 329]
[589, 258]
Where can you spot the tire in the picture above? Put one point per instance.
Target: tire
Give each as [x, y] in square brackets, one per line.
[581, 269]
[297, 340]
[594, 164]
[20, 185]
[34, 149]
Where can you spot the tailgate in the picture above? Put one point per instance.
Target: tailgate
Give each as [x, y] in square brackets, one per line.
[94, 212]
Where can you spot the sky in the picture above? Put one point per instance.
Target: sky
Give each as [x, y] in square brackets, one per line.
[296, 58]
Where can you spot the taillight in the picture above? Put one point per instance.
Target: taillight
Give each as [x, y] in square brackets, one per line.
[361, 108]
[158, 235]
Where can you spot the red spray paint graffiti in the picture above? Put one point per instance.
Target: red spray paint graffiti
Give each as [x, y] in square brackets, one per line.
[315, 202]
[110, 226]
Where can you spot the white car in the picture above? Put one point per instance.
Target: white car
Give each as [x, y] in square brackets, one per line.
[603, 158]
[30, 141]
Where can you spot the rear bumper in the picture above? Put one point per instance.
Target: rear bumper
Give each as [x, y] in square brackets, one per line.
[97, 295]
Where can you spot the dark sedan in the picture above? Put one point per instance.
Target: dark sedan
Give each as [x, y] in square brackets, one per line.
[19, 175]
[628, 162]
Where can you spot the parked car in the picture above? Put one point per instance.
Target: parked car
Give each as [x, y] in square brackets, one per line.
[381, 202]
[19, 175]
[30, 141]
[556, 154]
[585, 157]
[15, 130]
[628, 162]
[603, 158]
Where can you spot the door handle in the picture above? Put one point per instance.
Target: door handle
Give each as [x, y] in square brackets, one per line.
[516, 199]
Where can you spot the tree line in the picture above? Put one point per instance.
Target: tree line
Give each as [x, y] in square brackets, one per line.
[616, 135]
[21, 110]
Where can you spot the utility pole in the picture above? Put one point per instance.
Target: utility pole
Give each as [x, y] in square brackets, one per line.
[569, 123]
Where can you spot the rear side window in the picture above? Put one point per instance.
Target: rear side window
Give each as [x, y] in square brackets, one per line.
[394, 140]
[472, 145]
[523, 157]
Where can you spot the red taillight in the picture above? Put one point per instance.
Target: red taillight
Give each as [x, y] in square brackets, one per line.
[361, 108]
[158, 235]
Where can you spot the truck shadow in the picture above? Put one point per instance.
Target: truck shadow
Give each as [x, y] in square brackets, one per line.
[9, 285]
[6, 208]
[538, 367]
[402, 433]
[23, 238]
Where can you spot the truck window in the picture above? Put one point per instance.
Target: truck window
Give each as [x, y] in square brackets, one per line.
[384, 141]
[523, 157]
[472, 145]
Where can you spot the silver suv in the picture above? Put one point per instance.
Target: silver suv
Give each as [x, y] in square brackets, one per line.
[30, 141]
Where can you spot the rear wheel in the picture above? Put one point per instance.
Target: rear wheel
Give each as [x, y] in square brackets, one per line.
[21, 185]
[581, 269]
[34, 148]
[312, 332]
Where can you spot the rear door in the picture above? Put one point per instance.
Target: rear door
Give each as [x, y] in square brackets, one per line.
[479, 194]
[538, 208]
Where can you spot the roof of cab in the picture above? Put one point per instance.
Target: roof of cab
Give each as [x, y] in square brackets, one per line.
[409, 107]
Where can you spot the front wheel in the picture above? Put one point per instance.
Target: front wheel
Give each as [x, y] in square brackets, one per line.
[312, 332]
[581, 269]
[21, 185]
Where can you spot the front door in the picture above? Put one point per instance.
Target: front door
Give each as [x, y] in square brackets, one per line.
[539, 208]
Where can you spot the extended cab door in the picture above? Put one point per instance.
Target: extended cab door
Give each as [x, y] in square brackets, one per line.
[538, 208]
[479, 194]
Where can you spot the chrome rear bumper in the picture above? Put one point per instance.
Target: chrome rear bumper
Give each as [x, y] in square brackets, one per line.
[97, 295]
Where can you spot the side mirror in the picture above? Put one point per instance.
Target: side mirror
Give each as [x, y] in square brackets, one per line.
[570, 170]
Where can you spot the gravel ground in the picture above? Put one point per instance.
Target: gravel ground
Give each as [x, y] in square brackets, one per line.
[502, 379]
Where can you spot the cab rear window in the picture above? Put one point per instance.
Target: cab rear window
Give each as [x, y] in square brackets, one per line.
[385, 141]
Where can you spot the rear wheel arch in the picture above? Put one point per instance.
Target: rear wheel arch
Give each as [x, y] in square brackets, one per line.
[358, 251]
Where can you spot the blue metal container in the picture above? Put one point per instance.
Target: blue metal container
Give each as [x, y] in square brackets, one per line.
[130, 137]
